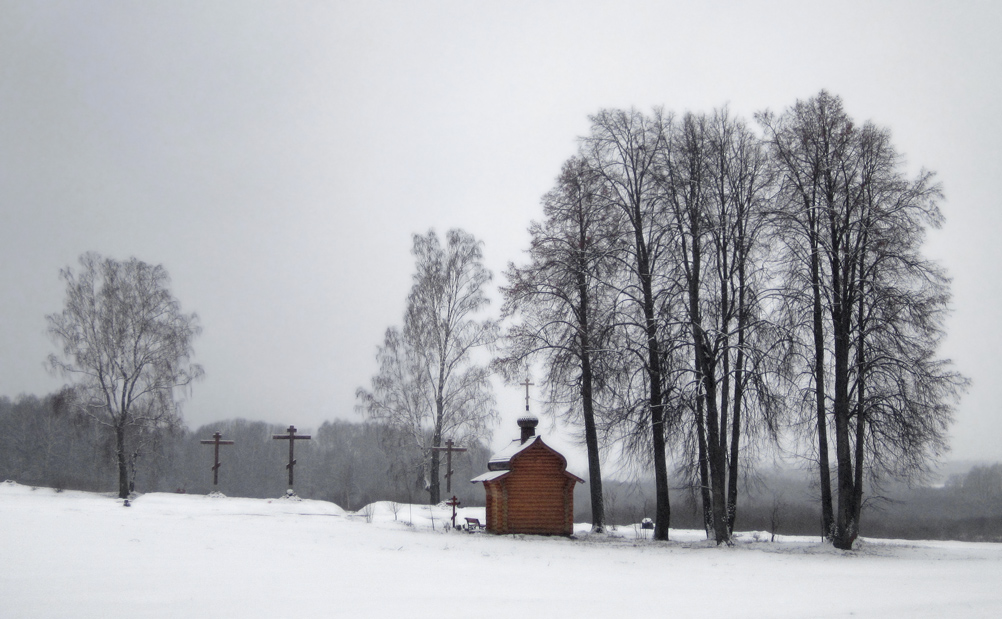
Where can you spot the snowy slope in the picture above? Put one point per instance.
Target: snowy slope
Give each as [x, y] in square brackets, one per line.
[75, 554]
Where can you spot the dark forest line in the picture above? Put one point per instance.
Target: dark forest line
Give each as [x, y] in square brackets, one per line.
[44, 443]
[352, 464]
[965, 506]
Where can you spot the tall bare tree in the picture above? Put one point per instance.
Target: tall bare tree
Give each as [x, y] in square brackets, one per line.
[563, 306]
[900, 396]
[429, 381]
[882, 302]
[685, 171]
[805, 143]
[715, 180]
[623, 149]
[742, 195]
[124, 338]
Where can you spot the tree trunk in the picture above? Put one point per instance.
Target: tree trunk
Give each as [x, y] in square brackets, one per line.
[435, 488]
[715, 454]
[591, 443]
[123, 468]
[588, 411]
[861, 375]
[706, 375]
[844, 523]
[704, 472]
[434, 484]
[857, 495]
[739, 388]
[732, 477]
[827, 515]
[662, 510]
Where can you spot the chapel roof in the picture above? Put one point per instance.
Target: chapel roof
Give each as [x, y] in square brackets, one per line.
[502, 459]
[500, 463]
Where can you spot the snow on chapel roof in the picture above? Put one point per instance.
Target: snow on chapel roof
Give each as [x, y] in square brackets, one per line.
[500, 463]
[502, 459]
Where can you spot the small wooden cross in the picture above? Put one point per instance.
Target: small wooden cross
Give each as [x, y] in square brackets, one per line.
[292, 437]
[217, 443]
[448, 449]
[527, 384]
[453, 502]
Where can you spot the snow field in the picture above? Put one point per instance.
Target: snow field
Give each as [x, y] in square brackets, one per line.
[76, 554]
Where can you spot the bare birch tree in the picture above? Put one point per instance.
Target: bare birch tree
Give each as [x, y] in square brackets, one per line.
[125, 340]
[429, 381]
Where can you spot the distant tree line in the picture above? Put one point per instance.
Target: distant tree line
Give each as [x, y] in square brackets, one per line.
[44, 442]
[968, 507]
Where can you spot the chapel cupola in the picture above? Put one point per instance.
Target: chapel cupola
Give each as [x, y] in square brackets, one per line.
[528, 424]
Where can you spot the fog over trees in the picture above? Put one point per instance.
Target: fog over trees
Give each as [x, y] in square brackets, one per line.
[703, 295]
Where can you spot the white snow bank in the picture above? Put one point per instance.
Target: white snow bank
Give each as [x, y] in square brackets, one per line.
[75, 554]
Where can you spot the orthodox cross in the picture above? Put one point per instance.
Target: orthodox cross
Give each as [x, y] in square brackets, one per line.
[448, 449]
[292, 437]
[215, 467]
[453, 502]
[527, 384]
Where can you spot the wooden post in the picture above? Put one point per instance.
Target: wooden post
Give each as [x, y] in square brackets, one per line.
[292, 437]
[215, 466]
[448, 449]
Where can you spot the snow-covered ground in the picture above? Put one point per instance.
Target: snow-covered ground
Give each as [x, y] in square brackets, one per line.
[77, 554]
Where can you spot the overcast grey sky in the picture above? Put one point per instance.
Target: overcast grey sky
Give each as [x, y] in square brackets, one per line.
[276, 157]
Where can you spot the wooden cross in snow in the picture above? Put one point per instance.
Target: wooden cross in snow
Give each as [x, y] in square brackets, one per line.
[453, 502]
[448, 449]
[217, 443]
[292, 437]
